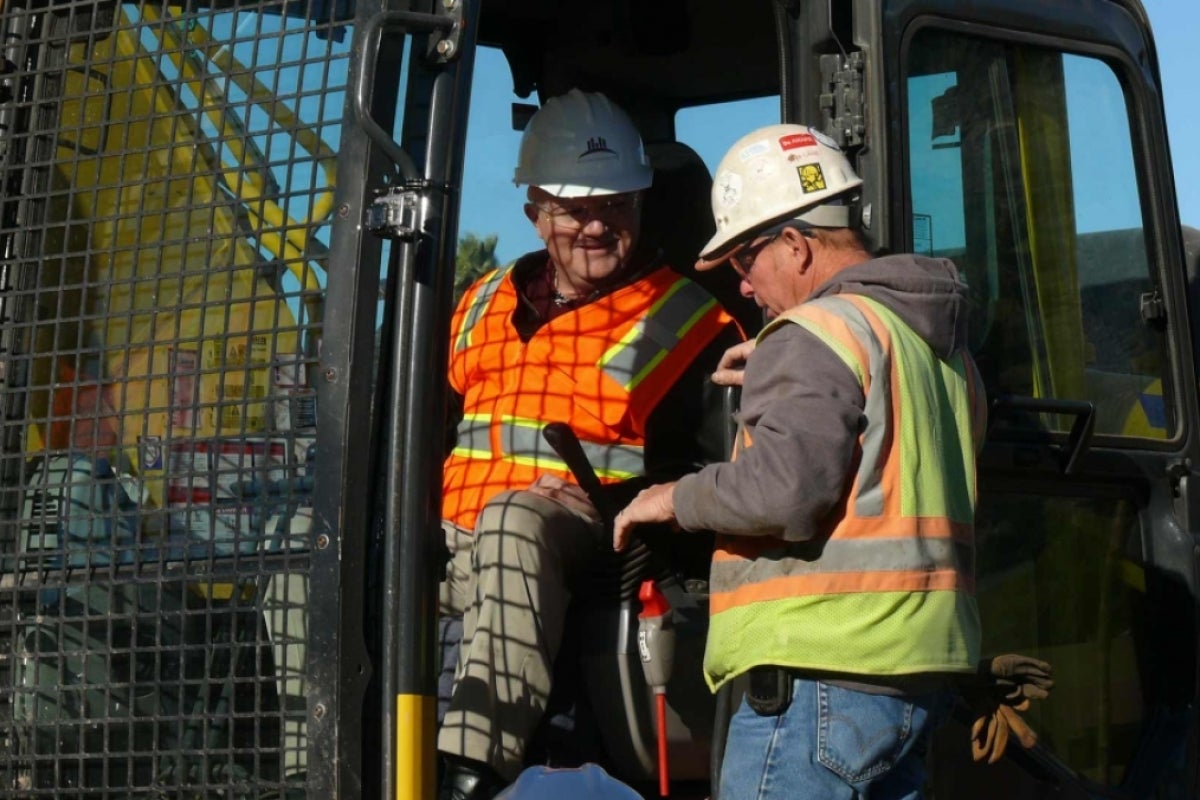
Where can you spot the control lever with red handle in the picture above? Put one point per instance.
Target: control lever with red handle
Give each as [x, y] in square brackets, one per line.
[656, 646]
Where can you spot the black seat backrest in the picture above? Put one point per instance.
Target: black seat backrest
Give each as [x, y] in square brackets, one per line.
[677, 219]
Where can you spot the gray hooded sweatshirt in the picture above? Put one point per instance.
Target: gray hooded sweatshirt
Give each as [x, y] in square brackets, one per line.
[804, 409]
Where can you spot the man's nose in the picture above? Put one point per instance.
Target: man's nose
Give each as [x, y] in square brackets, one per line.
[595, 226]
[745, 288]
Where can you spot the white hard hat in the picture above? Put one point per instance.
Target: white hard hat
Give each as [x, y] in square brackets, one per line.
[581, 144]
[774, 174]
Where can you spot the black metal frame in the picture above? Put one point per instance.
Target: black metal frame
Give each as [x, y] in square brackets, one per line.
[333, 556]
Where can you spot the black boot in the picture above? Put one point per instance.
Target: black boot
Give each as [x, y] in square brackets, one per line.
[465, 779]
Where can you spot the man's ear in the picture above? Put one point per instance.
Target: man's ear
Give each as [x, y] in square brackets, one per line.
[800, 247]
[531, 213]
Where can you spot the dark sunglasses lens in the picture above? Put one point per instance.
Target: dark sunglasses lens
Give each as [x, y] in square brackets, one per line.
[744, 258]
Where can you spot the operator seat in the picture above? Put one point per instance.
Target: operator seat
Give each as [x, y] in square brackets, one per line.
[677, 219]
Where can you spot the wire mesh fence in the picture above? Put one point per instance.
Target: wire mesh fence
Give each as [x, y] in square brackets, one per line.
[165, 199]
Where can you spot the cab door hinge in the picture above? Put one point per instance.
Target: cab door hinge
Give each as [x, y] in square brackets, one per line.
[393, 215]
[843, 109]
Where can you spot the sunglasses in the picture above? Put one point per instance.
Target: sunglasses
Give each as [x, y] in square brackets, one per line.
[743, 260]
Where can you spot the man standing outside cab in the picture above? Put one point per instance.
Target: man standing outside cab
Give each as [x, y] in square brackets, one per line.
[586, 332]
[843, 579]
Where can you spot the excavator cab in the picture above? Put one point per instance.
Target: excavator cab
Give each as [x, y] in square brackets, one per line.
[227, 251]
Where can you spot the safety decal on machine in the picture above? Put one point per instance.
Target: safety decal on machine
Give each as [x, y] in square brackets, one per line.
[150, 452]
[812, 179]
[183, 397]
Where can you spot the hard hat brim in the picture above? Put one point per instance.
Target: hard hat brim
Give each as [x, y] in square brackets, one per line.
[639, 184]
[725, 244]
[712, 261]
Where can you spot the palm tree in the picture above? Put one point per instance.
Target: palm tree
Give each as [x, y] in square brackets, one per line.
[476, 257]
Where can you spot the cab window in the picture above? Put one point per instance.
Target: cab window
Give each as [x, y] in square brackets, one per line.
[1022, 171]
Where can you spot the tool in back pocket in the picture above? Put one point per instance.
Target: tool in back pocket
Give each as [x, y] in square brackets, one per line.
[770, 691]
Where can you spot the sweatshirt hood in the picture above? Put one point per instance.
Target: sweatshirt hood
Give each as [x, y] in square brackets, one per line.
[927, 293]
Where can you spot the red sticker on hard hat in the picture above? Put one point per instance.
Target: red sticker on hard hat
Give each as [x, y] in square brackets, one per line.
[796, 140]
[812, 179]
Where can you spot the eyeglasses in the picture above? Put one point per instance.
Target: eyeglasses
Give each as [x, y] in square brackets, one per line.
[743, 260]
[617, 210]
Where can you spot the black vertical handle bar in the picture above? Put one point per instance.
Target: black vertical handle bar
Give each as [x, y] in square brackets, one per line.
[564, 441]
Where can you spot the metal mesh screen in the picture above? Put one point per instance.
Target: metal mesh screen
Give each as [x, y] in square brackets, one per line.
[167, 187]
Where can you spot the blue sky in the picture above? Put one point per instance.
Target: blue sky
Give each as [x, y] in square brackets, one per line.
[1176, 25]
[491, 204]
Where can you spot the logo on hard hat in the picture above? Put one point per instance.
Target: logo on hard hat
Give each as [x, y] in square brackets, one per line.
[812, 179]
[596, 145]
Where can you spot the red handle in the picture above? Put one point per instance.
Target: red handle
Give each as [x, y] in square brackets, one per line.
[654, 603]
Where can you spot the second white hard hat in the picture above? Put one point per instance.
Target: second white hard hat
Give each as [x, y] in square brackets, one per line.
[773, 174]
[580, 145]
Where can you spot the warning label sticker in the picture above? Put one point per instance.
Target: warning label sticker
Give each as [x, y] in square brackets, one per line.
[812, 179]
[796, 140]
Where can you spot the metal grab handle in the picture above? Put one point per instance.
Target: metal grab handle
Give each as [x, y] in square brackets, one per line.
[372, 34]
[562, 438]
[1080, 436]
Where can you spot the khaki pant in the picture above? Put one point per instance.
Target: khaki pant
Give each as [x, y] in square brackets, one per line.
[510, 581]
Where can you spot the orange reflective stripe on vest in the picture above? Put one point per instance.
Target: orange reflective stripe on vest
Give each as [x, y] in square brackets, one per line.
[601, 368]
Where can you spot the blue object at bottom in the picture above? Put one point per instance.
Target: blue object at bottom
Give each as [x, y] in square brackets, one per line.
[589, 782]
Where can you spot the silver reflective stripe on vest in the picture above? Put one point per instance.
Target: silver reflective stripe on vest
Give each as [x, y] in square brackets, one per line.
[474, 437]
[630, 360]
[869, 502]
[479, 304]
[521, 441]
[905, 554]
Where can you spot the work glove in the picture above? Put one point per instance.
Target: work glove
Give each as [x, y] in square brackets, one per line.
[1003, 687]
[1019, 677]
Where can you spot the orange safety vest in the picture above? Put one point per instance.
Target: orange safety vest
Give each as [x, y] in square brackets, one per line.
[890, 590]
[601, 368]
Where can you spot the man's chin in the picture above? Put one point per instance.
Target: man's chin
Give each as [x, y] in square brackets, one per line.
[600, 263]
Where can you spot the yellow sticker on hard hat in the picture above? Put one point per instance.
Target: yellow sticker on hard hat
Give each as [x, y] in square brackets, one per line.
[812, 179]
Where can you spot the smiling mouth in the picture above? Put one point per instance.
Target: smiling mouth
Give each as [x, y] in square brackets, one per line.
[596, 245]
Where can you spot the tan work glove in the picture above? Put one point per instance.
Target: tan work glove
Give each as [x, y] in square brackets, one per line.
[1004, 685]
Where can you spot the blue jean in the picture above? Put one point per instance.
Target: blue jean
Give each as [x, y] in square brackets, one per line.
[832, 743]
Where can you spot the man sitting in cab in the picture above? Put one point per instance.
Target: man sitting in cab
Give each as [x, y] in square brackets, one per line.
[589, 332]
